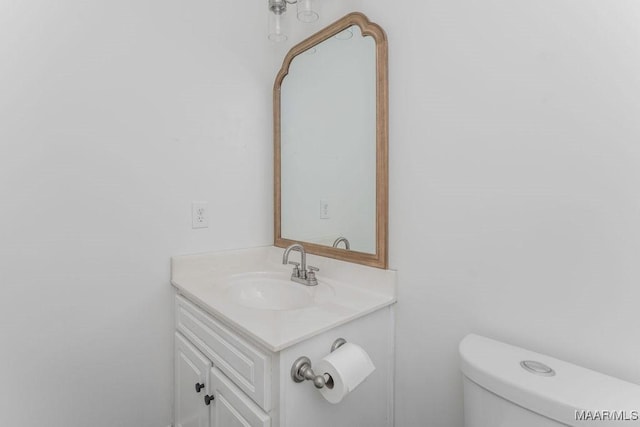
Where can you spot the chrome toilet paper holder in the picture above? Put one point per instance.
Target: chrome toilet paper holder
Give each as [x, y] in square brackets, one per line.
[301, 369]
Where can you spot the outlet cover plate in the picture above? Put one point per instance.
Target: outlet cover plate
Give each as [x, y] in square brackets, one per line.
[199, 215]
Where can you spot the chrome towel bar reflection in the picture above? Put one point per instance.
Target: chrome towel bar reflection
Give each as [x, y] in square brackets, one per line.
[339, 240]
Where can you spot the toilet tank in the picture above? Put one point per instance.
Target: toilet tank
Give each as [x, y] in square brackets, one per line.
[502, 391]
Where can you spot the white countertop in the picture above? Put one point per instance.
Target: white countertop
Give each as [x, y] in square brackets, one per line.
[357, 290]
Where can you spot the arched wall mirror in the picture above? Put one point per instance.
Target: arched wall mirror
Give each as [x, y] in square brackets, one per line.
[330, 102]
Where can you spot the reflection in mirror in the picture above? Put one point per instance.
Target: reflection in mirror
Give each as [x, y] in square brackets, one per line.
[328, 143]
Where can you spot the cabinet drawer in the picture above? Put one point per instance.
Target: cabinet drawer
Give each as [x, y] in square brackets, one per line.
[247, 366]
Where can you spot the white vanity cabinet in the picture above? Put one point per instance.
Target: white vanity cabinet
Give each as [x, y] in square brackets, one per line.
[191, 384]
[205, 397]
[232, 407]
[220, 378]
[247, 384]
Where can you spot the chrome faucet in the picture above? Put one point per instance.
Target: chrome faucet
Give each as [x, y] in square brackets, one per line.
[300, 273]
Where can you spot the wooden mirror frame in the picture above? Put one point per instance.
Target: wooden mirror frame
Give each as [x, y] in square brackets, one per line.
[368, 28]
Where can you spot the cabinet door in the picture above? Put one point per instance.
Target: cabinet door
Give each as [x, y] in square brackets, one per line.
[231, 407]
[191, 374]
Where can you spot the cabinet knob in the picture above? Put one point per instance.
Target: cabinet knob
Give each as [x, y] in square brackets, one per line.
[209, 399]
[199, 387]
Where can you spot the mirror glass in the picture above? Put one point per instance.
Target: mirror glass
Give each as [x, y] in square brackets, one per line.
[328, 143]
[331, 143]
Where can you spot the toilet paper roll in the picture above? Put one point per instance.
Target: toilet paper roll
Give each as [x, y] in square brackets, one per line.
[348, 366]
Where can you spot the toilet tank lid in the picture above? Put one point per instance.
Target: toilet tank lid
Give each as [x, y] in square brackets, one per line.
[496, 367]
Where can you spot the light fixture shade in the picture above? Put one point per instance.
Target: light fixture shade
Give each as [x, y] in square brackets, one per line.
[277, 31]
[307, 11]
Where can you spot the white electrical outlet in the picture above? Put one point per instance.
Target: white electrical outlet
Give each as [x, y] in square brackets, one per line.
[324, 209]
[199, 215]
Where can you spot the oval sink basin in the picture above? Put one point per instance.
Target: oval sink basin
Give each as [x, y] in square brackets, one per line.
[274, 291]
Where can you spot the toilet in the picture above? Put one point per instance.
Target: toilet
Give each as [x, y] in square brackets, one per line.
[508, 386]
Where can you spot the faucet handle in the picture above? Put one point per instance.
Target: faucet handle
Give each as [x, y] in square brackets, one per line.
[311, 275]
[296, 269]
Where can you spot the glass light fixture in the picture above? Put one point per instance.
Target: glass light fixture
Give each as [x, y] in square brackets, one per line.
[278, 31]
[307, 11]
[277, 21]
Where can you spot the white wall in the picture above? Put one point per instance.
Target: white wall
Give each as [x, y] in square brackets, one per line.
[114, 116]
[515, 177]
